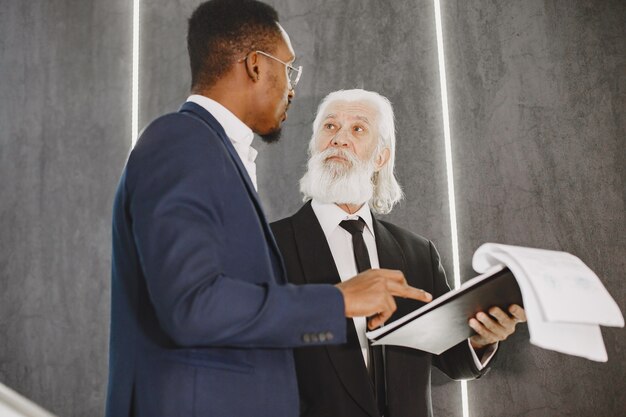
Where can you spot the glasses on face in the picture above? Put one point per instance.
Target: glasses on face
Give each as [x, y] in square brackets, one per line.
[293, 73]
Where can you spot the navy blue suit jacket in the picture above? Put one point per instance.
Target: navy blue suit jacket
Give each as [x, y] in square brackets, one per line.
[203, 321]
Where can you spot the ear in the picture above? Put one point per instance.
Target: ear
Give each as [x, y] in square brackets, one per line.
[252, 66]
[381, 159]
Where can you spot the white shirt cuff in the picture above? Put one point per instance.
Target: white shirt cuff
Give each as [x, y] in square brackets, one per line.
[487, 355]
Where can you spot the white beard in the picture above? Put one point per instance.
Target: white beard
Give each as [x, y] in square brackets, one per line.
[332, 181]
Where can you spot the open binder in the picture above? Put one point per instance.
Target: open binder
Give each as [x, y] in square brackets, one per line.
[564, 299]
[443, 322]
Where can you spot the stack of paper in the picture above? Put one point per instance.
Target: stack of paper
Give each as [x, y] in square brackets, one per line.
[565, 301]
[565, 304]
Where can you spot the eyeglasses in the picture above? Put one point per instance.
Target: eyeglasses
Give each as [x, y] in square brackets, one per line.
[293, 73]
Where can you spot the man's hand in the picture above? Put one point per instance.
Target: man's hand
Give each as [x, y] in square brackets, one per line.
[495, 326]
[370, 294]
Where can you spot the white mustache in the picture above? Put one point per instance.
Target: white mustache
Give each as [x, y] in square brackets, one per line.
[341, 153]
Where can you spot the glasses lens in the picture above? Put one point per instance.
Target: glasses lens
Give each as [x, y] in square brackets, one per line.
[294, 75]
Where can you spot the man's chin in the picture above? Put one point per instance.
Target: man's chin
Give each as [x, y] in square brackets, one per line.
[271, 137]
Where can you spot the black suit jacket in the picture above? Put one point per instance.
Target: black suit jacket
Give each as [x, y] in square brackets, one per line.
[333, 380]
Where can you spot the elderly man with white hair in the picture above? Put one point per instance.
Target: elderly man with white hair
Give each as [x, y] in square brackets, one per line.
[350, 174]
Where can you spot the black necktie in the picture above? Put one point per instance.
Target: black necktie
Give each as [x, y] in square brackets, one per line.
[362, 258]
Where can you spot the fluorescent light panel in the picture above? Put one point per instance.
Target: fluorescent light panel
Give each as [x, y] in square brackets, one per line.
[135, 79]
[450, 173]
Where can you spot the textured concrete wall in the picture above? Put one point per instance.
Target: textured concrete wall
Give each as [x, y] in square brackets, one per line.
[164, 64]
[537, 96]
[64, 97]
[538, 118]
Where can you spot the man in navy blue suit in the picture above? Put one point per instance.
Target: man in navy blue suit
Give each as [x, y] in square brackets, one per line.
[203, 321]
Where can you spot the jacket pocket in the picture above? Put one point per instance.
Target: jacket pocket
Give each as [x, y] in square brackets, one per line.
[223, 359]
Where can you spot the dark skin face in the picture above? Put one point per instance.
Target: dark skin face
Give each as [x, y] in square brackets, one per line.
[256, 89]
[271, 93]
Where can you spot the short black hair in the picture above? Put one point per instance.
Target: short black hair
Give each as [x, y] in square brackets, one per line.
[222, 31]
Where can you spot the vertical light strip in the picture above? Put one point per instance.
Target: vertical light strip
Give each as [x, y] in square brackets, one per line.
[135, 79]
[450, 173]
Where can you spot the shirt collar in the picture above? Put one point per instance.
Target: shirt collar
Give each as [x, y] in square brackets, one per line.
[330, 215]
[235, 129]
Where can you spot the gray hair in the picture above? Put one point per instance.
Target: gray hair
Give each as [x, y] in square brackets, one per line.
[387, 190]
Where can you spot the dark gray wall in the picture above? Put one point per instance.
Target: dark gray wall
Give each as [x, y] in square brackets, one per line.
[537, 93]
[64, 102]
[164, 64]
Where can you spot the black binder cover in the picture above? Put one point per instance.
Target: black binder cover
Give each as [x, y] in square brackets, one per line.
[446, 324]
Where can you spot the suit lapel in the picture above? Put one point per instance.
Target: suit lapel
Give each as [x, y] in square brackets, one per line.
[391, 256]
[208, 118]
[319, 267]
[214, 125]
[317, 261]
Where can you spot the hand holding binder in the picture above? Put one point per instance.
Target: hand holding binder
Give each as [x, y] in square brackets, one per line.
[495, 325]
[444, 322]
[563, 298]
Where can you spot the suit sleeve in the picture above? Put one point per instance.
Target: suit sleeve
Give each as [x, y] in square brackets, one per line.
[178, 198]
[456, 362]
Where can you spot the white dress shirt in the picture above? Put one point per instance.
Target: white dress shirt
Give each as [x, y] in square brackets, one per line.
[240, 135]
[340, 243]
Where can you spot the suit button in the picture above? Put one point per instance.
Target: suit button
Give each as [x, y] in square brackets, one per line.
[329, 336]
[306, 338]
[314, 338]
[322, 337]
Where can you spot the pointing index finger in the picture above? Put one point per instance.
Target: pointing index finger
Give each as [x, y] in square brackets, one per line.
[406, 291]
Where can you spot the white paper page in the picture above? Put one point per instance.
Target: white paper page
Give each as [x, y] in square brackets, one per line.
[563, 335]
[583, 340]
[13, 404]
[567, 290]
